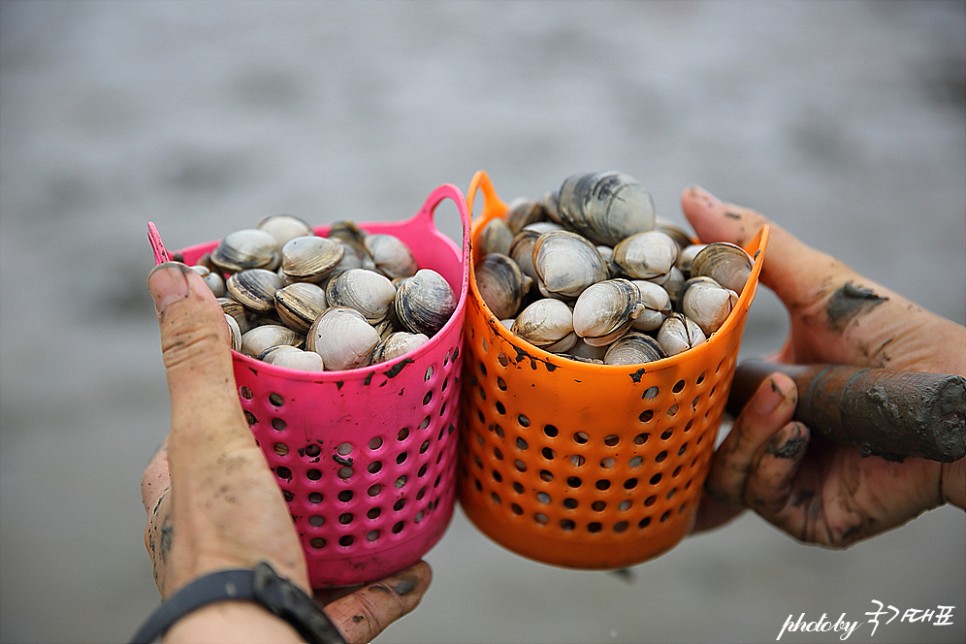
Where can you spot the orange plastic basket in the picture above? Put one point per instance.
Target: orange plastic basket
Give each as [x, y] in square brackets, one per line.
[583, 465]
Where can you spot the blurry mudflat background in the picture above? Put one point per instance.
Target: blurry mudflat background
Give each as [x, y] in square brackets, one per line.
[844, 121]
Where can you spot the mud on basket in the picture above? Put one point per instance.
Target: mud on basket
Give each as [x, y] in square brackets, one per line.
[585, 465]
[366, 457]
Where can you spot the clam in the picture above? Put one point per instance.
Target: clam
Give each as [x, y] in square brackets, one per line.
[584, 352]
[387, 327]
[349, 234]
[656, 303]
[397, 344]
[237, 311]
[605, 311]
[522, 211]
[259, 338]
[672, 282]
[521, 247]
[214, 281]
[234, 332]
[290, 357]
[646, 255]
[566, 264]
[350, 259]
[299, 304]
[634, 348]
[254, 288]
[707, 303]
[675, 232]
[390, 255]
[605, 207]
[686, 257]
[247, 248]
[368, 292]
[546, 323]
[494, 238]
[501, 284]
[678, 334]
[726, 263]
[284, 228]
[310, 259]
[343, 338]
[424, 302]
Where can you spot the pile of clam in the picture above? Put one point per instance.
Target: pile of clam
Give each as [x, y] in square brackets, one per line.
[342, 301]
[590, 273]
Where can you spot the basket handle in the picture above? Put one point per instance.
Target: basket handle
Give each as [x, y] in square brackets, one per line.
[154, 237]
[449, 191]
[493, 206]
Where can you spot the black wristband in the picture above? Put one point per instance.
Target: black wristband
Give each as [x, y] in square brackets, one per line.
[261, 585]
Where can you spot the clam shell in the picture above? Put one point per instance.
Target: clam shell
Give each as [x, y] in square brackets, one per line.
[678, 334]
[291, 357]
[495, 237]
[546, 323]
[424, 302]
[390, 255]
[605, 207]
[310, 259]
[726, 263]
[583, 352]
[299, 304]
[501, 284]
[366, 291]
[259, 338]
[566, 264]
[244, 249]
[646, 255]
[522, 212]
[656, 303]
[234, 332]
[349, 234]
[605, 311]
[634, 348]
[686, 257]
[707, 303]
[214, 281]
[521, 247]
[343, 338]
[397, 344]
[254, 288]
[237, 311]
[675, 232]
[284, 228]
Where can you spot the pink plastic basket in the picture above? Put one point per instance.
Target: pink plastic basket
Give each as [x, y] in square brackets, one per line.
[366, 458]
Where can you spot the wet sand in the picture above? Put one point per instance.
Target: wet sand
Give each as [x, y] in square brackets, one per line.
[844, 121]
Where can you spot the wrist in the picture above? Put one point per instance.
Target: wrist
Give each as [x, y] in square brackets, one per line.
[232, 621]
[952, 483]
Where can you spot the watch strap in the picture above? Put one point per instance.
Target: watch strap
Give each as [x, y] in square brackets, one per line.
[261, 585]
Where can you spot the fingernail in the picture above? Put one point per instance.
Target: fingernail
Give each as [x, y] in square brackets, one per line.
[405, 586]
[167, 284]
[788, 442]
[768, 398]
[702, 195]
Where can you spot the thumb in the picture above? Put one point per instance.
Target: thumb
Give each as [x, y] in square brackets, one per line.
[195, 346]
[795, 271]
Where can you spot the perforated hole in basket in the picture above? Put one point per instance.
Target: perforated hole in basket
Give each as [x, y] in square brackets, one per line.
[372, 489]
[622, 482]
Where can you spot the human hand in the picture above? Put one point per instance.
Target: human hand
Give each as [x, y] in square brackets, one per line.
[817, 491]
[211, 499]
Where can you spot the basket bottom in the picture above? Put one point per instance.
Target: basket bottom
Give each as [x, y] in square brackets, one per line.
[524, 538]
[360, 566]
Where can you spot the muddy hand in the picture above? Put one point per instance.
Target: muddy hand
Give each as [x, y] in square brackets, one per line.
[211, 499]
[819, 492]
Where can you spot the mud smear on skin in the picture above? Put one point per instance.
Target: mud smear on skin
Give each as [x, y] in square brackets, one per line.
[848, 302]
